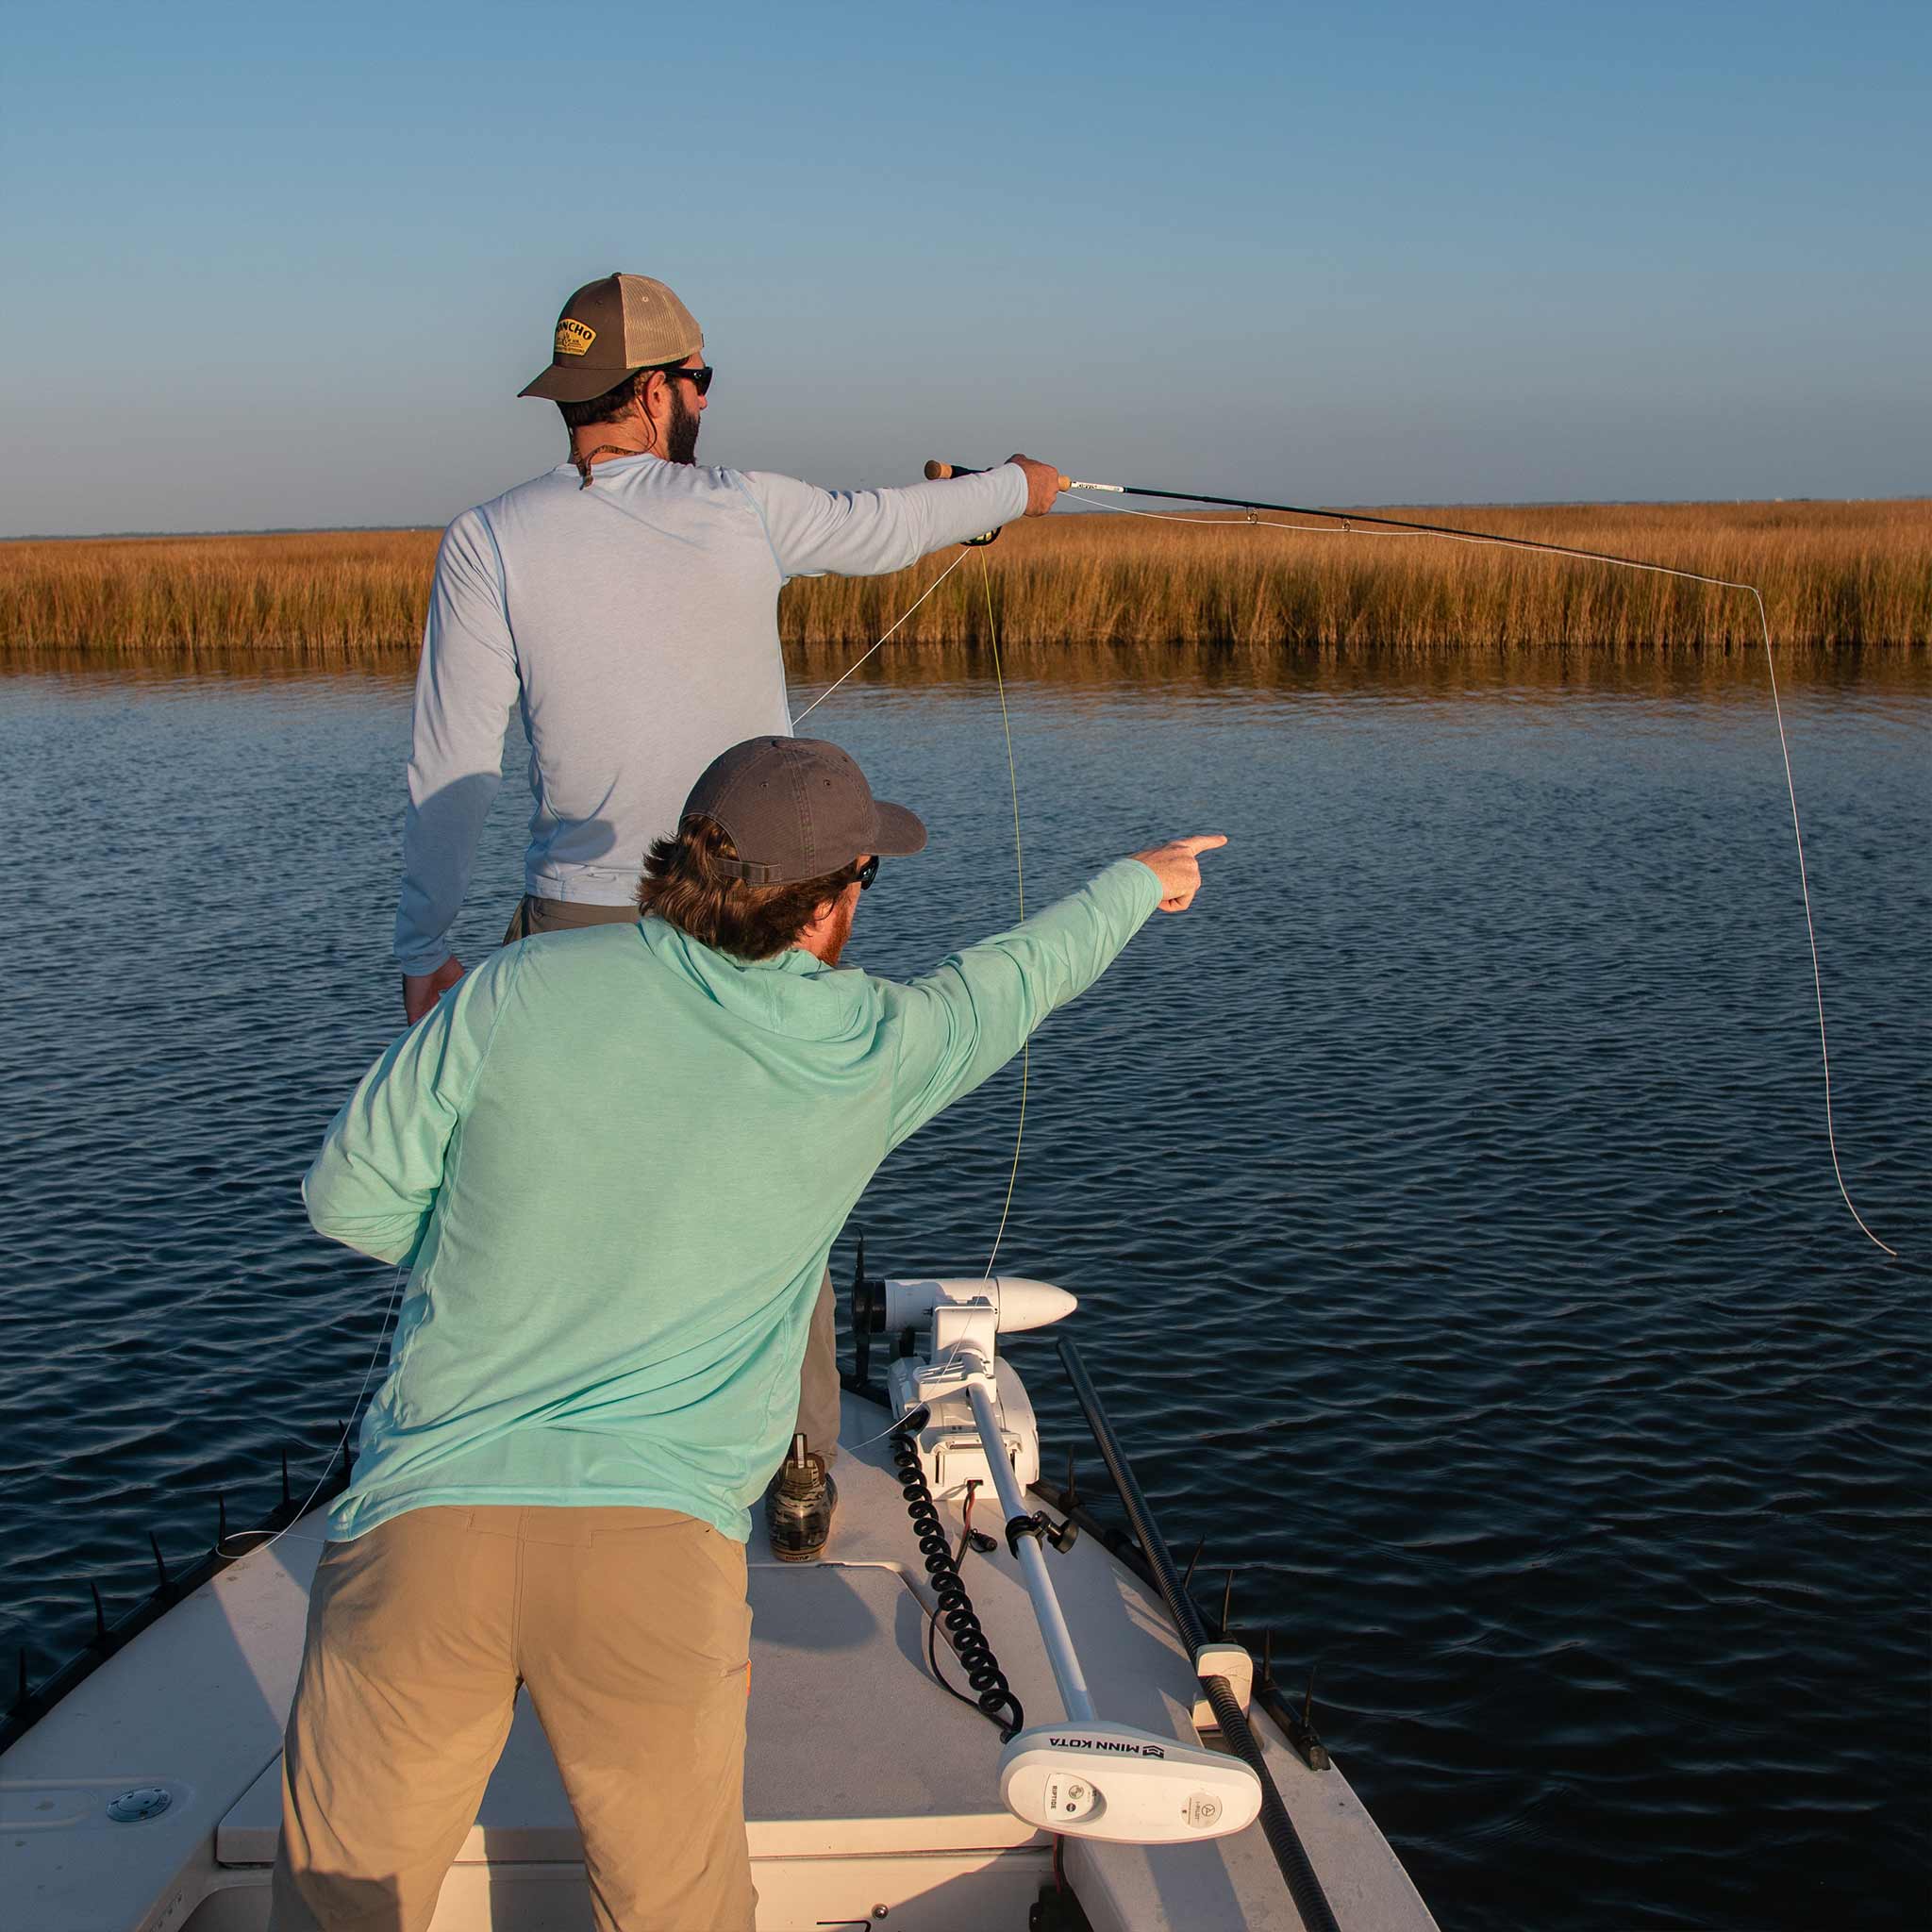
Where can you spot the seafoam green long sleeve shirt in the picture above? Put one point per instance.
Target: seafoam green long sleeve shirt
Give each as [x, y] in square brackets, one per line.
[615, 1161]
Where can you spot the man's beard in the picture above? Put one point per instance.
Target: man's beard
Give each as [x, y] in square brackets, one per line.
[834, 943]
[681, 432]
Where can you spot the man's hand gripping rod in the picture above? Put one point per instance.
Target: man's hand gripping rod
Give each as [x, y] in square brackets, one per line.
[1044, 484]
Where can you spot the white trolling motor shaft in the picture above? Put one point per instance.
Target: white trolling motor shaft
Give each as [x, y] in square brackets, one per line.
[964, 1415]
[1090, 1778]
[1075, 1697]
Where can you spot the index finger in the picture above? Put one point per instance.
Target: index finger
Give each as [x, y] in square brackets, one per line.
[1201, 842]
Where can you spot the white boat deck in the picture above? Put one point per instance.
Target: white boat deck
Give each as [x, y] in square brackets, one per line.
[866, 1786]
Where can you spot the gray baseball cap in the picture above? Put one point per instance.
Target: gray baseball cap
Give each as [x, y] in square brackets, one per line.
[797, 808]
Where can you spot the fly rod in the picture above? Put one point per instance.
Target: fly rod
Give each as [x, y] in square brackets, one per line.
[936, 472]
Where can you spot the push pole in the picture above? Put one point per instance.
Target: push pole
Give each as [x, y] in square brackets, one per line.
[1026, 1547]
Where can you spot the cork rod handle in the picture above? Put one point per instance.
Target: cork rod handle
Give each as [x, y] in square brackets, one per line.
[936, 472]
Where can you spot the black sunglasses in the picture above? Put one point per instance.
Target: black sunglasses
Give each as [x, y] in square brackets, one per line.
[700, 378]
[868, 871]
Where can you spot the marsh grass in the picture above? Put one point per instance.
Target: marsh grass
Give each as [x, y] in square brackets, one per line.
[347, 597]
[1838, 579]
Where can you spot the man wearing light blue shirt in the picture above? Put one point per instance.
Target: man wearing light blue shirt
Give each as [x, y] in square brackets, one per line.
[626, 604]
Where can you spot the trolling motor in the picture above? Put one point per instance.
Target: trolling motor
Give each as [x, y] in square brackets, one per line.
[964, 1415]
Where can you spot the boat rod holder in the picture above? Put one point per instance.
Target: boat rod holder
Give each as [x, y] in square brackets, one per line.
[1061, 1535]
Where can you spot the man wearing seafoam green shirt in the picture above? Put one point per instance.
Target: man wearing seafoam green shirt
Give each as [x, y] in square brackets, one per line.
[615, 1161]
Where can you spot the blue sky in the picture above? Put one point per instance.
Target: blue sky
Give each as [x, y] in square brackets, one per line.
[287, 266]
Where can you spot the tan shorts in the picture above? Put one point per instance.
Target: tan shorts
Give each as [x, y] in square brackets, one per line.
[631, 1631]
[534, 915]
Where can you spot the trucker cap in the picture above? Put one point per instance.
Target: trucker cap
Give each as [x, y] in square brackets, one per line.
[610, 328]
[797, 808]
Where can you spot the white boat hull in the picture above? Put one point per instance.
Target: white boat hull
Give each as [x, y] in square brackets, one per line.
[872, 1798]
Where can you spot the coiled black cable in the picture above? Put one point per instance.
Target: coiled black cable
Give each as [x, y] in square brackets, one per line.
[992, 1695]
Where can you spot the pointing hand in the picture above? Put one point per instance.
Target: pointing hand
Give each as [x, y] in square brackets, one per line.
[1178, 866]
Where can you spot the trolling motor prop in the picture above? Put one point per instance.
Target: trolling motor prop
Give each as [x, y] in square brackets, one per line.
[966, 1415]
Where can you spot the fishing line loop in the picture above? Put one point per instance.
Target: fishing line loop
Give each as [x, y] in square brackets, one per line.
[341, 1441]
[1019, 872]
[1778, 710]
[1020, 875]
[964, 552]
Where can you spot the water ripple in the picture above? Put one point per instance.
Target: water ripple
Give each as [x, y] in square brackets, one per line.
[1448, 1201]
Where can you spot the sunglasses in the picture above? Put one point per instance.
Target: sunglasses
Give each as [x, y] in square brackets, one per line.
[868, 871]
[699, 378]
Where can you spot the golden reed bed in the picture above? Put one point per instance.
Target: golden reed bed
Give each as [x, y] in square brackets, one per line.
[1839, 578]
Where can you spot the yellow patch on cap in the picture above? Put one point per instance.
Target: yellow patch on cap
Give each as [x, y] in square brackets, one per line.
[574, 337]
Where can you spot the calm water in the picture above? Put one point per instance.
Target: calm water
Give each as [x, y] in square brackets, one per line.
[1448, 1198]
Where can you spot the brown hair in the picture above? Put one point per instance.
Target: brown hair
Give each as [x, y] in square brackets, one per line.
[683, 886]
[608, 407]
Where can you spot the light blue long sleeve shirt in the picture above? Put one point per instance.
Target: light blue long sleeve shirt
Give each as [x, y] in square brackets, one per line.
[615, 1162]
[635, 624]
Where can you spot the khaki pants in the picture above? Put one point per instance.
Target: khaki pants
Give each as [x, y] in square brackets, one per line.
[818, 1384]
[631, 1631]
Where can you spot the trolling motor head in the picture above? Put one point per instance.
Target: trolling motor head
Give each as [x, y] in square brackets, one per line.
[1124, 1785]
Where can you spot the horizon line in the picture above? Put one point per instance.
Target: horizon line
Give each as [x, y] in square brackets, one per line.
[1070, 509]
